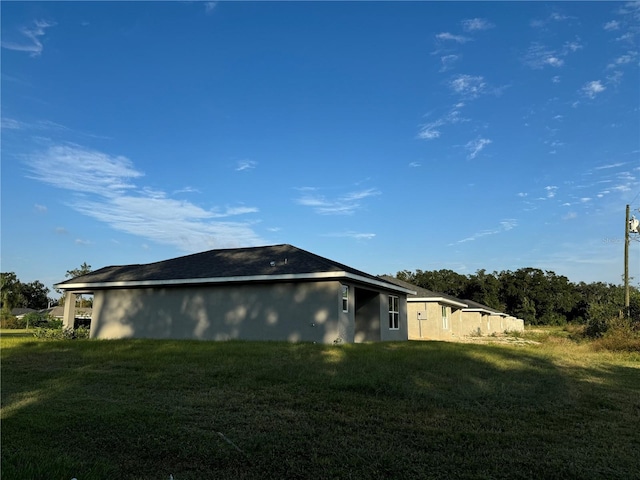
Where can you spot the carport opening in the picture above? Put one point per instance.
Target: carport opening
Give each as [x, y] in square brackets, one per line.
[367, 315]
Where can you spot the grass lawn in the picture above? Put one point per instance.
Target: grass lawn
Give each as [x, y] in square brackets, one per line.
[142, 409]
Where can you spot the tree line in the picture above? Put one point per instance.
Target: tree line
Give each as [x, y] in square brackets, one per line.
[539, 297]
[35, 295]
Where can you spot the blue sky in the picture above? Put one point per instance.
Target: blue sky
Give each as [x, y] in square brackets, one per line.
[384, 135]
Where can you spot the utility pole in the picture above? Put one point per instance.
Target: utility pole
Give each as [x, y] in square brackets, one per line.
[627, 226]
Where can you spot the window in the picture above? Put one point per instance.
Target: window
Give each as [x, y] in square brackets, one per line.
[394, 314]
[345, 298]
[445, 318]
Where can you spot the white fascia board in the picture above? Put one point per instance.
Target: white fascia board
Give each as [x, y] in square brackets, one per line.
[488, 312]
[236, 279]
[378, 283]
[439, 300]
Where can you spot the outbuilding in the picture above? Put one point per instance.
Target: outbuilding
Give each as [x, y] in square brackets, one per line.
[277, 292]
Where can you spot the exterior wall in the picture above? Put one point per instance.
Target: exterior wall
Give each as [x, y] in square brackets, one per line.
[387, 334]
[425, 321]
[514, 324]
[309, 311]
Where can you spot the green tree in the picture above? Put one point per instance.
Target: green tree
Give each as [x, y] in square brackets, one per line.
[484, 288]
[35, 295]
[11, 292]
[77, 272]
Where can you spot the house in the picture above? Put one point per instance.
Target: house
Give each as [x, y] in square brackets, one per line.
[487, 321]
[437, 316]
[82, 314]
[22, 312]
[277, 292]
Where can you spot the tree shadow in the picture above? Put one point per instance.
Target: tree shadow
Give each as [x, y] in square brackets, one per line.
[147, 409]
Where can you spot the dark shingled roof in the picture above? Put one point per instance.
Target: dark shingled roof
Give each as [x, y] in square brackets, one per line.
[421, 292]
[479, 306]
[224, 263]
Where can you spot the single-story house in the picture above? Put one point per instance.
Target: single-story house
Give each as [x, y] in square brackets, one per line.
[437, 316]
[22, 312]
[487, 320]
[277, 292]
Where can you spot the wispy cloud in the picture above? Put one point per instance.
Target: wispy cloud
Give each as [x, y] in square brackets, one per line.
[476, 24]
[345, 204]
[551, 191]
[209, 7]
[612, 25]
[454, 38]
[32, 43]
[476, 146]
[353, 235]
[468, 85]
[593, 88]
[539, 56]
[624, 59]
[448, 61]
[104, 188]
[505, 226]
[246, 165]
[432, 130]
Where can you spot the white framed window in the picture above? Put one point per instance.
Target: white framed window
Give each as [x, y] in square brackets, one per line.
[345, 298]
[445, 318]
[394, 313]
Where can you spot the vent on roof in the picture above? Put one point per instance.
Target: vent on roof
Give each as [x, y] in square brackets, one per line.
[273, 264]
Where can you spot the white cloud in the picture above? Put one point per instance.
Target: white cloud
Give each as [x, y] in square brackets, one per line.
[448, 61]
[591, 89]
[104, 190]
[431, 130]
[452, 37]
[354, 235]
[468, 85]
[615, 78]
[415, 164]
[625, 59]
[612, 25]
[12, 124]
[33, 33]
[539, 56]
[346, 204]
[551, 190]
[475, 24]
[246, 165]
[209, 7]
[40, 208]
[505, 226]
[476, 146]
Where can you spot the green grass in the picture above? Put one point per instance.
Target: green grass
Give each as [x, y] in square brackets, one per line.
[141, 409]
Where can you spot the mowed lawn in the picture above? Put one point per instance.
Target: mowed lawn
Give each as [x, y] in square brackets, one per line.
[143, 409]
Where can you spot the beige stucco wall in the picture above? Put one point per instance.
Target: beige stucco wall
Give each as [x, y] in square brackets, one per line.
[425, 321]
[300, 311]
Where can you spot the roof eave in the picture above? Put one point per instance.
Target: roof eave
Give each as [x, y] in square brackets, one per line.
[89, 286]
[439, 300]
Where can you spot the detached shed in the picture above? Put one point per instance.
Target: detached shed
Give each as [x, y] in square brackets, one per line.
[277, 292]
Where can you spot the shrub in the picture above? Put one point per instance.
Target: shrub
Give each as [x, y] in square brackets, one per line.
[9, 321]
[616, 334]
[61, 333]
